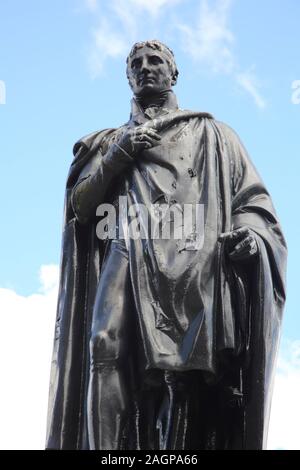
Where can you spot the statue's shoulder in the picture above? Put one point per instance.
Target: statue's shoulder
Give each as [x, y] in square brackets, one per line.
[235, 147]
[93, 140]
[190, 114]
[86, 148]
[228, 132]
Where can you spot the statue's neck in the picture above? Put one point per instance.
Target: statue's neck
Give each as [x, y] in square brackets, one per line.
[157, 100]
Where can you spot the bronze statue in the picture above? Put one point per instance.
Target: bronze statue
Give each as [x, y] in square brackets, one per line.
[162, 342]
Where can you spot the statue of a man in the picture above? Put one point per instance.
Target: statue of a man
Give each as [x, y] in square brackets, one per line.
[165, 342]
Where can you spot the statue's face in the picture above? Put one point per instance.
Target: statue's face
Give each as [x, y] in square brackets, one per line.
[149, 72]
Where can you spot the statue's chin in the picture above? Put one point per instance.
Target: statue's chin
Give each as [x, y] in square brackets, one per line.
[148, 90]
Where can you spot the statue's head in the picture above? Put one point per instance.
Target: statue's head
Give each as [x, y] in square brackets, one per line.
[151, 68]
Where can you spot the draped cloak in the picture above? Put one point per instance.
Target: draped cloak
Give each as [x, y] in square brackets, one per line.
[195, 309]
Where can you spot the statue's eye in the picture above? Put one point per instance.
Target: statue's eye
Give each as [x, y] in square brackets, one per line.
[135, 63]
[155, 60]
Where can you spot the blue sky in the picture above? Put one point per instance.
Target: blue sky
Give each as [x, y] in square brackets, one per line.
[63, 66]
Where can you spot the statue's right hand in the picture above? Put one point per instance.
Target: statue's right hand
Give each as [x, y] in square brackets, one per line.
[137, 139]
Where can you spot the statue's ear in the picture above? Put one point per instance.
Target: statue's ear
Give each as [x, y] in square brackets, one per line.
[129, 82]
[174, 80]
[174, 76]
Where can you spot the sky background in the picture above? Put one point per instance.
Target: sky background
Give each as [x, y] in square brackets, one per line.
[62, 75]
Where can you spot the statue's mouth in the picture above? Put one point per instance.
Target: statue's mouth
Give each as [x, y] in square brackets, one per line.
[146, 80]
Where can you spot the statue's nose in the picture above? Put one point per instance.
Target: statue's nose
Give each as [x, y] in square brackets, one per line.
[145, 66]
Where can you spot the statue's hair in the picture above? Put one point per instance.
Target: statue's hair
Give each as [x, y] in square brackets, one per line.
[159, 46]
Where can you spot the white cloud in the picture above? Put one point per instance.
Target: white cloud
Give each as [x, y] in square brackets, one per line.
[92, 5]
[285, 412]
[26, 338]
[154, 7]
[107, 43]
[210, 40]
[123, 9]
[248, 81]
[49, 278]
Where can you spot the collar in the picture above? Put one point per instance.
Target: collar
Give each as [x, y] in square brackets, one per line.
[139, 116]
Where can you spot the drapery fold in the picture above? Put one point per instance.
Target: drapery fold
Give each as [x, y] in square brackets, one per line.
[247, 301]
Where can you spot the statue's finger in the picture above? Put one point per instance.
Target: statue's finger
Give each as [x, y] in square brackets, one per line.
[152, 138]
[253, 251]
[153, 134]
[242, 245]
[240, 232]
[224, 235]
[245, 252]
[145, 138]
[139, 146]
[234, 234]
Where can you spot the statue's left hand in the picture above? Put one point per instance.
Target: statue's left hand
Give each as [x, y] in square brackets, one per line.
[241, 244]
